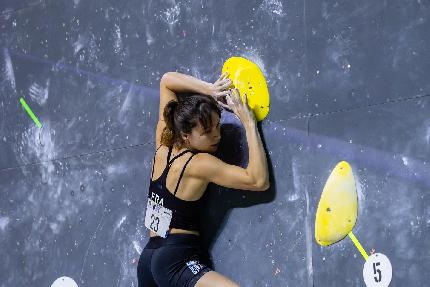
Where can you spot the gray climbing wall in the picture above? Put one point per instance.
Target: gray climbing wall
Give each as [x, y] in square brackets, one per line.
[348, 81]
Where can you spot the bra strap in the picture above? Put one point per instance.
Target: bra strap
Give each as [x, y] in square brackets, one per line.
[169, 162]
[168, 155]
[182, 172]
[178, 155]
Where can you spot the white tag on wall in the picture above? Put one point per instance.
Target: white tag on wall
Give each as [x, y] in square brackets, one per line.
[157, 218]
[377, 271]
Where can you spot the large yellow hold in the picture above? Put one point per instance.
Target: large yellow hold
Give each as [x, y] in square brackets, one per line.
[337, 210]
[248, 78]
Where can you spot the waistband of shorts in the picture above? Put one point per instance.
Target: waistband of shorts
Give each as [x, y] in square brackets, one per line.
[173, 239]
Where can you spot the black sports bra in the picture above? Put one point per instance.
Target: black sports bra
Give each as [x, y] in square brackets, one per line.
[185, 214]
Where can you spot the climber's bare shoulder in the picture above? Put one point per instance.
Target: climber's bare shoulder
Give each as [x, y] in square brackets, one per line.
[209, 168]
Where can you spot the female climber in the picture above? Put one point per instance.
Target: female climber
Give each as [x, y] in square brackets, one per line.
[190, 129]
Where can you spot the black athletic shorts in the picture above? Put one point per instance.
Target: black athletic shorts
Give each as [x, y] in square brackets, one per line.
[174, 261]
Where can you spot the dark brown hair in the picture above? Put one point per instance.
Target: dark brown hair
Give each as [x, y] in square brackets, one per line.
[184, 114]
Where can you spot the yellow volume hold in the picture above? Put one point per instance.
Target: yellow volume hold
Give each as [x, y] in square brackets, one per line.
[338, 206]
[248, 78]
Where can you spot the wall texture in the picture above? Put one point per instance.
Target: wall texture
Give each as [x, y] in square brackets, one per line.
[348, 81]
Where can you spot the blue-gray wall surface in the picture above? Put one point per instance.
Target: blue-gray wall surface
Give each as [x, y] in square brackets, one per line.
[348, 80]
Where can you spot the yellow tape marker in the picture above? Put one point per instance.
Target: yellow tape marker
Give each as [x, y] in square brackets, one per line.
[358, 245]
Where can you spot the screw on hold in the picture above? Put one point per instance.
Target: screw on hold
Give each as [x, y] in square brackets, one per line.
[82, 187]
[328, 209]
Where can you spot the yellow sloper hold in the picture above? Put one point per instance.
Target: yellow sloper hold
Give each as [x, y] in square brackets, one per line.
[337, 210]
[248, 78]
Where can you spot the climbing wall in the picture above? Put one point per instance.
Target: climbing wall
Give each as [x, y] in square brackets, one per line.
[348, 81]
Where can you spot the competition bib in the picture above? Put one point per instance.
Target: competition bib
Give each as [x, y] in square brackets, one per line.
[157, 218]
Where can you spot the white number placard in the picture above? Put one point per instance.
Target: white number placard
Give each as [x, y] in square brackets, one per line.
[377, 271]
[157, 218]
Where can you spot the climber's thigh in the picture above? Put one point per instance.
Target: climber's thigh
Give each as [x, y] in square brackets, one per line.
[215, 279]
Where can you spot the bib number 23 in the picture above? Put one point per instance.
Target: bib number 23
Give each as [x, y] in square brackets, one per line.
[155, 221]
[157, 218]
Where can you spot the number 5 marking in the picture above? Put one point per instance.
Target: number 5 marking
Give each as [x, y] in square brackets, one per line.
[377, 279]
